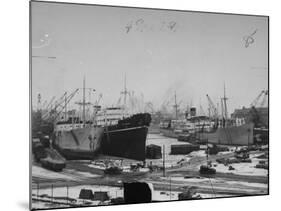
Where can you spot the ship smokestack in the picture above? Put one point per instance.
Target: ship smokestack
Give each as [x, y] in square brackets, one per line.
[192, 111]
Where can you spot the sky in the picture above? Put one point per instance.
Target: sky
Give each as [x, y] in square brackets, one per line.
[161, 53]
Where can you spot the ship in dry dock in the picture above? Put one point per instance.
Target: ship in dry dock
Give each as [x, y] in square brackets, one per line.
[124, 134]
[127, 137]
[111, 131]
[76, 138]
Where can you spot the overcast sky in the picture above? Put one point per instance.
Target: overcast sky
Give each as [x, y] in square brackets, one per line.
[161, 52]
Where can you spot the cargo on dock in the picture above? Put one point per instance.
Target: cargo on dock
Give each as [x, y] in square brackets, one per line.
[153, 151]
[183, 149]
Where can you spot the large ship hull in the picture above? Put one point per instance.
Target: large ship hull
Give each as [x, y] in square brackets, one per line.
[233, 135]
[127, 142]
[79, 144]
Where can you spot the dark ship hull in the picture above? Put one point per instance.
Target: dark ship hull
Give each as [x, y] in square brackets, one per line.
[127, 139]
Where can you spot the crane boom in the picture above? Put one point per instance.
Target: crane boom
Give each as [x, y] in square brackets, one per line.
[46, 112]
[212, 107]
[60, 101]
[265, 97]
[51, 101]
[66, 101]
[255, 101]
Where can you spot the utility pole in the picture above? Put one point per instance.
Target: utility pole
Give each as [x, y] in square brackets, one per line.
[170, 188]
[249, 130]
[52, 192]
[67, 194]
[163, 160]
[218, 109]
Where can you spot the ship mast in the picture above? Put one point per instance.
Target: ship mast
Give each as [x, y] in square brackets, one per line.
[224, 101]
[222, 109]
[125, 92]
[176, 105]
[83, 104]
[65, 108]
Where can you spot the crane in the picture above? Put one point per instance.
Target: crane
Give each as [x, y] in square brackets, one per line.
[265, 98]
[256, 100]
[44, 104]
[60, 101]
[98, 100]
[149, 106]
[46, 113]
[66, 101]
[212, 107]
[118, 101]
[57, 103]
[50, 102]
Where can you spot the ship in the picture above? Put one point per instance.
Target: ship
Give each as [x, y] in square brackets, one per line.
[173, 128]
[231, 135]
[225, 130]
[77, 141]
[258, 113]
[124, 134]
[127, 138]
[76, 138]
[217, 129]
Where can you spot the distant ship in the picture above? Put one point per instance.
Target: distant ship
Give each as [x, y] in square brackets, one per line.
[173, 128]
[215, 129]
[200, 128]
[227, 131]
[229, 134]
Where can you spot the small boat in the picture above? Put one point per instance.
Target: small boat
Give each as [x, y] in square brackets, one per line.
[49, 158]
[53, 164]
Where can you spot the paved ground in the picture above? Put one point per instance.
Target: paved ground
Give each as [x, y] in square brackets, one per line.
[221, 183]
